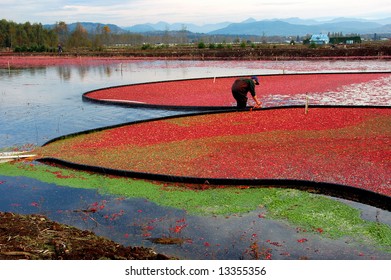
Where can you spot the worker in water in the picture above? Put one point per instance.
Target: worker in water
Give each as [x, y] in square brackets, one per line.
[241, 87]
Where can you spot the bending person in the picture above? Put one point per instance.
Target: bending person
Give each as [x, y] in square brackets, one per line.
[241, 87]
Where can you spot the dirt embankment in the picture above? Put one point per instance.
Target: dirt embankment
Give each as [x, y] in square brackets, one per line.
[35, 237]
[261, 52]
[265, 53]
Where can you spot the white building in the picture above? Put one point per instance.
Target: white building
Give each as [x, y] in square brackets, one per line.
[320, 39]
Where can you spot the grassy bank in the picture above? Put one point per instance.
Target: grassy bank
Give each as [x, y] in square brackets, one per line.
[231, 51]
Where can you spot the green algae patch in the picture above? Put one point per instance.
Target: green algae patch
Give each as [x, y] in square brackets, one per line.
[325, 215]
[306, 211]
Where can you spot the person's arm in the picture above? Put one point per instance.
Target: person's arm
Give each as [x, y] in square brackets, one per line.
[253, 94]
[257, 101]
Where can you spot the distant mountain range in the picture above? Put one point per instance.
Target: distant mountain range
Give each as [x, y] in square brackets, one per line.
[91, 27]
[284, 28]
[164, 26]
[272, 27]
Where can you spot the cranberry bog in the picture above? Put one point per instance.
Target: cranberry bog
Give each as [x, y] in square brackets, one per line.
[349, 147]
[274, 91]
[334, 149]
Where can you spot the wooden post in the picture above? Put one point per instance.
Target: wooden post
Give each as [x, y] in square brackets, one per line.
[306, 105]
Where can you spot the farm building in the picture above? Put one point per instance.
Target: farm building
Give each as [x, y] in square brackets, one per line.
[319, 39]
[345, 40]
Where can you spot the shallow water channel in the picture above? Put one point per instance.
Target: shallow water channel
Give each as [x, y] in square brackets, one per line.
[39, 104]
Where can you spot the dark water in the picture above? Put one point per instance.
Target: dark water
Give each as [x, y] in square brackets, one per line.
[39, 104]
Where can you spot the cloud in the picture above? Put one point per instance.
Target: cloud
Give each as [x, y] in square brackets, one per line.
[130, 12]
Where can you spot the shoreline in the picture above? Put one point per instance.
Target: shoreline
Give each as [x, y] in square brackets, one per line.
[19, 60]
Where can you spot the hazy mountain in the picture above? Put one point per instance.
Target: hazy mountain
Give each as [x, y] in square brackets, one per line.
[384, 29]
[278, 27]
[164, 26]
[266, 27]
[249, 20]
[353, 26]
[384, 21]
[250, 26]
[296, 20]
[140, 28]
[271, 27]
[90, 27]
[343, 19]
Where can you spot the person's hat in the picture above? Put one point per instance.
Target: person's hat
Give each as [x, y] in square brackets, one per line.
[255, 79]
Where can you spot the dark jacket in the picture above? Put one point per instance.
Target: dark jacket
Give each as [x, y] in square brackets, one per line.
[242, 86]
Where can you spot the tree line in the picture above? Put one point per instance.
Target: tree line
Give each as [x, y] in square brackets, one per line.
[27, 37]
[31, 37]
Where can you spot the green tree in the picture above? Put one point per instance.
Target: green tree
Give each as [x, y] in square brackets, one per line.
[106, 32]
[61, 29]
[79, 38]
[12, 27]
[26, 36]
[201, 45]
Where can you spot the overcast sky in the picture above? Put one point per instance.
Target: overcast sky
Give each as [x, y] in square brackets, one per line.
[200, 12]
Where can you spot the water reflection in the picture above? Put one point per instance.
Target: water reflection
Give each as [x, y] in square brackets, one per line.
[39, 104]
[4, 74]
[64, 73]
